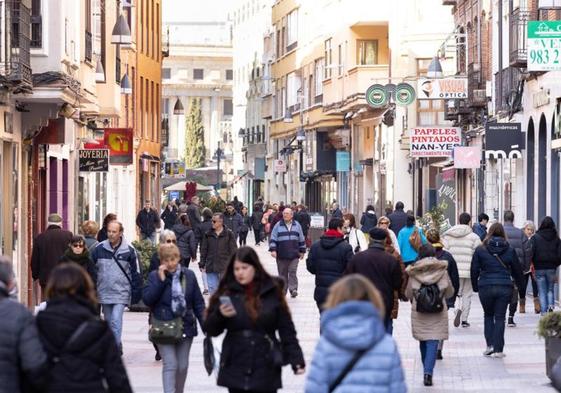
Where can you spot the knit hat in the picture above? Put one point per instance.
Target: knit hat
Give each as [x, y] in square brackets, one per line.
[54, 219]
[378, 234]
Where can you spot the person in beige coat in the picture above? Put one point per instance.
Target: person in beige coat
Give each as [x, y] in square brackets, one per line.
[461, 242]
[429, 328]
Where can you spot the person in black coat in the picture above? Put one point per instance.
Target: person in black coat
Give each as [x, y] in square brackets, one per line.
[255, 221]
[186, 240]
[233, 220]
[78, 253]
[252, 356]
[169, 215]
[81, 347]
[172, 281]
[102, 234]
[147, 221]
[368, 220]
[245, 227]
[398, 219]
[304, 219]
[328, 259]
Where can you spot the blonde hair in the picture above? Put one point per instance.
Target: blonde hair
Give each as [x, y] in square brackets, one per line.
[168, 251]
[90, 228]
[354, 287]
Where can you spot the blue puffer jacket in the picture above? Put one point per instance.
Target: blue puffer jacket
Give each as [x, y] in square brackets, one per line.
[347, 328]
[408, 253]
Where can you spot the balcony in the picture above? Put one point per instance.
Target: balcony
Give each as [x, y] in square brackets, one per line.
[506, 86]
[518, 41]
[15, 62]
[449, 2]
[478, 98]
[88, 47]
[475, 84]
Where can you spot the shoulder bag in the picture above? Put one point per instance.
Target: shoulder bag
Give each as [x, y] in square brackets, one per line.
[167, 332]
[356, 357]
[504, 265]
[136, 287]
[415, 239]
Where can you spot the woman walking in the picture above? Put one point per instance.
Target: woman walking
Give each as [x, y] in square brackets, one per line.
[250, 306]
[545, 245]
[529, 230]
[245, 227]
[429, 320]
[493, 267]
[405, 239]
[353, 331]
[384, 223]
[256, 224]
[90, 230]
[186, 241]
[173, 292]
[79, 254]
[397, 295]
[356, 238]
[81, 347]
[368, 220]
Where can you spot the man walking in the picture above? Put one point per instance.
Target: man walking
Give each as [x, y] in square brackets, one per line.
[169, 215]
[233, 220]
[194, 213]
[335, 211]
[147, 221]
[398, 219]
[461, 242]
[328, 259]
[117, 272]
[287, 245]
[381, 268]
[517, 240]
[48, 248]
[218, 246]
[304, 219]
[480, 228]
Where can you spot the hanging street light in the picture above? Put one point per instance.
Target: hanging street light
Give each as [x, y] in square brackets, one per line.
[435, 68]
[99, 71]
[121, 34]
[178, 108]
[126, 87]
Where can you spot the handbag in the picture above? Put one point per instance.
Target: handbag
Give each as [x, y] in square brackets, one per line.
[208, 354]
[167, 332]
[277, 357]
[333, 385]
[415, 239]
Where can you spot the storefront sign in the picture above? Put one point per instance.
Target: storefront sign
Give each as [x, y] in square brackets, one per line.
[467, 157]
[317, 221]
[446, 194]
[343, 163]
[544, 45]
[442, 89]
[280, 166]
[120, 144]
[434, 141]
[93, 160]
[378, 96]
[503, 140]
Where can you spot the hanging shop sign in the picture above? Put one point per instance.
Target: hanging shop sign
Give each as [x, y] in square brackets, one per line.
[120, 144]
[343, 161]
[379, 96]
[544, 45]
[93, 160]
[467, 157]
[317, 221]
[503, 140]
[446, 195]
[442, 89]
[434, 141]
[280, 166]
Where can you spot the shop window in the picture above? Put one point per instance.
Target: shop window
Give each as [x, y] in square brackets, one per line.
[228, 107]
[198, 74]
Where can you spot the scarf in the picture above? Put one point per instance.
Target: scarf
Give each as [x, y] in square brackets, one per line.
[81, 259]
[178, 303]
[333, 233]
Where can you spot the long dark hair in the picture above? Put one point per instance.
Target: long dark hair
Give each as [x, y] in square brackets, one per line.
[496, 230]
[70, 280]
[184, 219]
[548, 224]
[108, 218]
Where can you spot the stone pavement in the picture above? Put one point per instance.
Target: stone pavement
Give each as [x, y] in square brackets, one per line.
[464, 368]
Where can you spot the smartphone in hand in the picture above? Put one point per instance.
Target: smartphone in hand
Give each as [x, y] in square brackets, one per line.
[226, 301]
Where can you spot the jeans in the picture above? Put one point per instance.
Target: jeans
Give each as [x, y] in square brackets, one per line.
[388, 324]
[287, 270]
[464, 293]
[428, 355]
[495, 300]
[113, 314]
[176, 362]
[213, 280]
[152, 237]
[546, 280]
[534, 285]
[513, 302]
[205, 280]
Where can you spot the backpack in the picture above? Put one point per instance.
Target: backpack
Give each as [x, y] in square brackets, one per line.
[415, 239]
[429, 299]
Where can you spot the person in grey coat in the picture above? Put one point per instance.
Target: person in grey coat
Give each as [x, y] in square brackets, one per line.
[233, 220]
[23, 360]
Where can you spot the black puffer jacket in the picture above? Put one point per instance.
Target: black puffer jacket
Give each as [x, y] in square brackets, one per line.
[186, 242]
[546, 249]
[79, 365]
[203, 228]
[452, 273]
[368, 221]
[246, 363]
[327, 260]
[216, 251]
[20, 348]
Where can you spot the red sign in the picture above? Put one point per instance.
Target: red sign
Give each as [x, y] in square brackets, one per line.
[467, 157]
[119, 141]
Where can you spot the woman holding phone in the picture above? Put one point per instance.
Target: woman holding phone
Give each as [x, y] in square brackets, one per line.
[250, 306]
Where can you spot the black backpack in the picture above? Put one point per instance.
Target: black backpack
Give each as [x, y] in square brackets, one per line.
[429, 299]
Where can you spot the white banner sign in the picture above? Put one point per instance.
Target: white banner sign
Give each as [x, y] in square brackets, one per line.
[434, 141]
[442, 89]
[280, 166]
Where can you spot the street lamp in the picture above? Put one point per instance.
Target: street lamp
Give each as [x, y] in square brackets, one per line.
[178, 108]
[435, 68]
[126, 87]
[218, 155]
[121, 33]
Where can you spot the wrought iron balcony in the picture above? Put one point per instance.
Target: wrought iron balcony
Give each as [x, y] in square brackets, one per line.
[518, 40]
[507, 86]
[89, 48]
[449, 2]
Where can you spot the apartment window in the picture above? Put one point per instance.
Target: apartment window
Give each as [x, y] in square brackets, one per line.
[166, 73]
[88, 49]
[158, 33]
[142, 98]
[229, 75]
[228, 107]
[328, 59]
[340, 60]
[118, 64]
[367, 52]
[198, 74]
[36, 25]
[318, 77]
[292, 86]
[153, 30]
[278, 44]
[292, 30]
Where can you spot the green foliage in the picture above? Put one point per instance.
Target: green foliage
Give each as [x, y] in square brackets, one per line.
[216, 204]
[550, 325]
[435, 218]
[194, 136]
[145, 250]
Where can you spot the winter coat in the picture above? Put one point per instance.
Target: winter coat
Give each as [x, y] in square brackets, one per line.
[487, 270]
[157, 296]
[112, 285]
[398, 220]
[368, 221]
[287, 243]
[102, 234]
[461, 242]
[350, 327]
[246, 361]
[154, 262]
[91, 242]
[337, 213]
[546, 249]
[428, 271]
[357, 240]
[517, 240]
[327, 260]
[381, 268]
[255, 220]
[216, 251]
[91, 360]
[480, 230]
[304, 219]
[21, 352]
[48, 247]
[200, 231]
[84, 260]
[186, 242]
[408, 253]
[169, 217]
[233, 222]
[194, 216]
[452, 273]
[147, 221]
[395, 243]
[397, 295]
[246, 223]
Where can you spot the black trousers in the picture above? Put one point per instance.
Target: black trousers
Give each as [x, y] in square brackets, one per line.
[250, 391]
[257, 234]
[243, 238]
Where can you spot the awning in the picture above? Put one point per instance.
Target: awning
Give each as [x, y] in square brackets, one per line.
[180, 186]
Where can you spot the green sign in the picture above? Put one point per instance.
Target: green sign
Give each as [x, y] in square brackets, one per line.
[544, 45]
[379, 96]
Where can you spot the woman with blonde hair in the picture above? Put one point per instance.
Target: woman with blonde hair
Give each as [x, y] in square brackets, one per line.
[354, 343]
[384, 223]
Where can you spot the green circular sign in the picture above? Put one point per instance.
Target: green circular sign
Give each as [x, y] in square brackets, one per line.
[376, 96]
[404, 94]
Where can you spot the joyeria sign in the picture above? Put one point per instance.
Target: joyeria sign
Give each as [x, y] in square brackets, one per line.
[379, 96]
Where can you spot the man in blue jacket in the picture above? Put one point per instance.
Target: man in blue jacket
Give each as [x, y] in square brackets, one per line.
[287, 246]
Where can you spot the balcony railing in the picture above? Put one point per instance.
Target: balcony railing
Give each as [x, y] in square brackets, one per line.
[15, 61]
[89, 48]
[509, 77]
[518, 40]
[449, 2]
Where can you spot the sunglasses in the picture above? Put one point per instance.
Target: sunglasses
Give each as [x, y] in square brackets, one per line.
[79, 245]
[171, 241]
[384, 223]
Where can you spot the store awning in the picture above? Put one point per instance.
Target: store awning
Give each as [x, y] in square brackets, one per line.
[180, 186]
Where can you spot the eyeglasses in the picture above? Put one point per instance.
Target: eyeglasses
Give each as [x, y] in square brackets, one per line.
[79, 245]
[384, 223]
[171, 241]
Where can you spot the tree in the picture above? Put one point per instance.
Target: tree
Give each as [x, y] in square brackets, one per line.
[194, 136]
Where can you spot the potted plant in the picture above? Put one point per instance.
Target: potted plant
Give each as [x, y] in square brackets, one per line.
[144, 250]
[549, 327]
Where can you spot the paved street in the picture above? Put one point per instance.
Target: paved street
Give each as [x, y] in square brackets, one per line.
[463, 368]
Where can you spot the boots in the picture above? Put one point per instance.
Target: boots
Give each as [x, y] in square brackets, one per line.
[537, 308]
[522, 307]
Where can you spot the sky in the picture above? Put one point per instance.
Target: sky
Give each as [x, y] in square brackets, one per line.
[195, 10]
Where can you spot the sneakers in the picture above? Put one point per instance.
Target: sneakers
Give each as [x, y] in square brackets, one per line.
[439, 354]
[511, 322]
[294, 293]
[158, 357]
[427, 380]
[488, 352]
[498, 355]
[465, 324]
[457, 317]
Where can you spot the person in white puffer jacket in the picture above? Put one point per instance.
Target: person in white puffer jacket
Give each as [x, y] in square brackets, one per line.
[461, 242]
